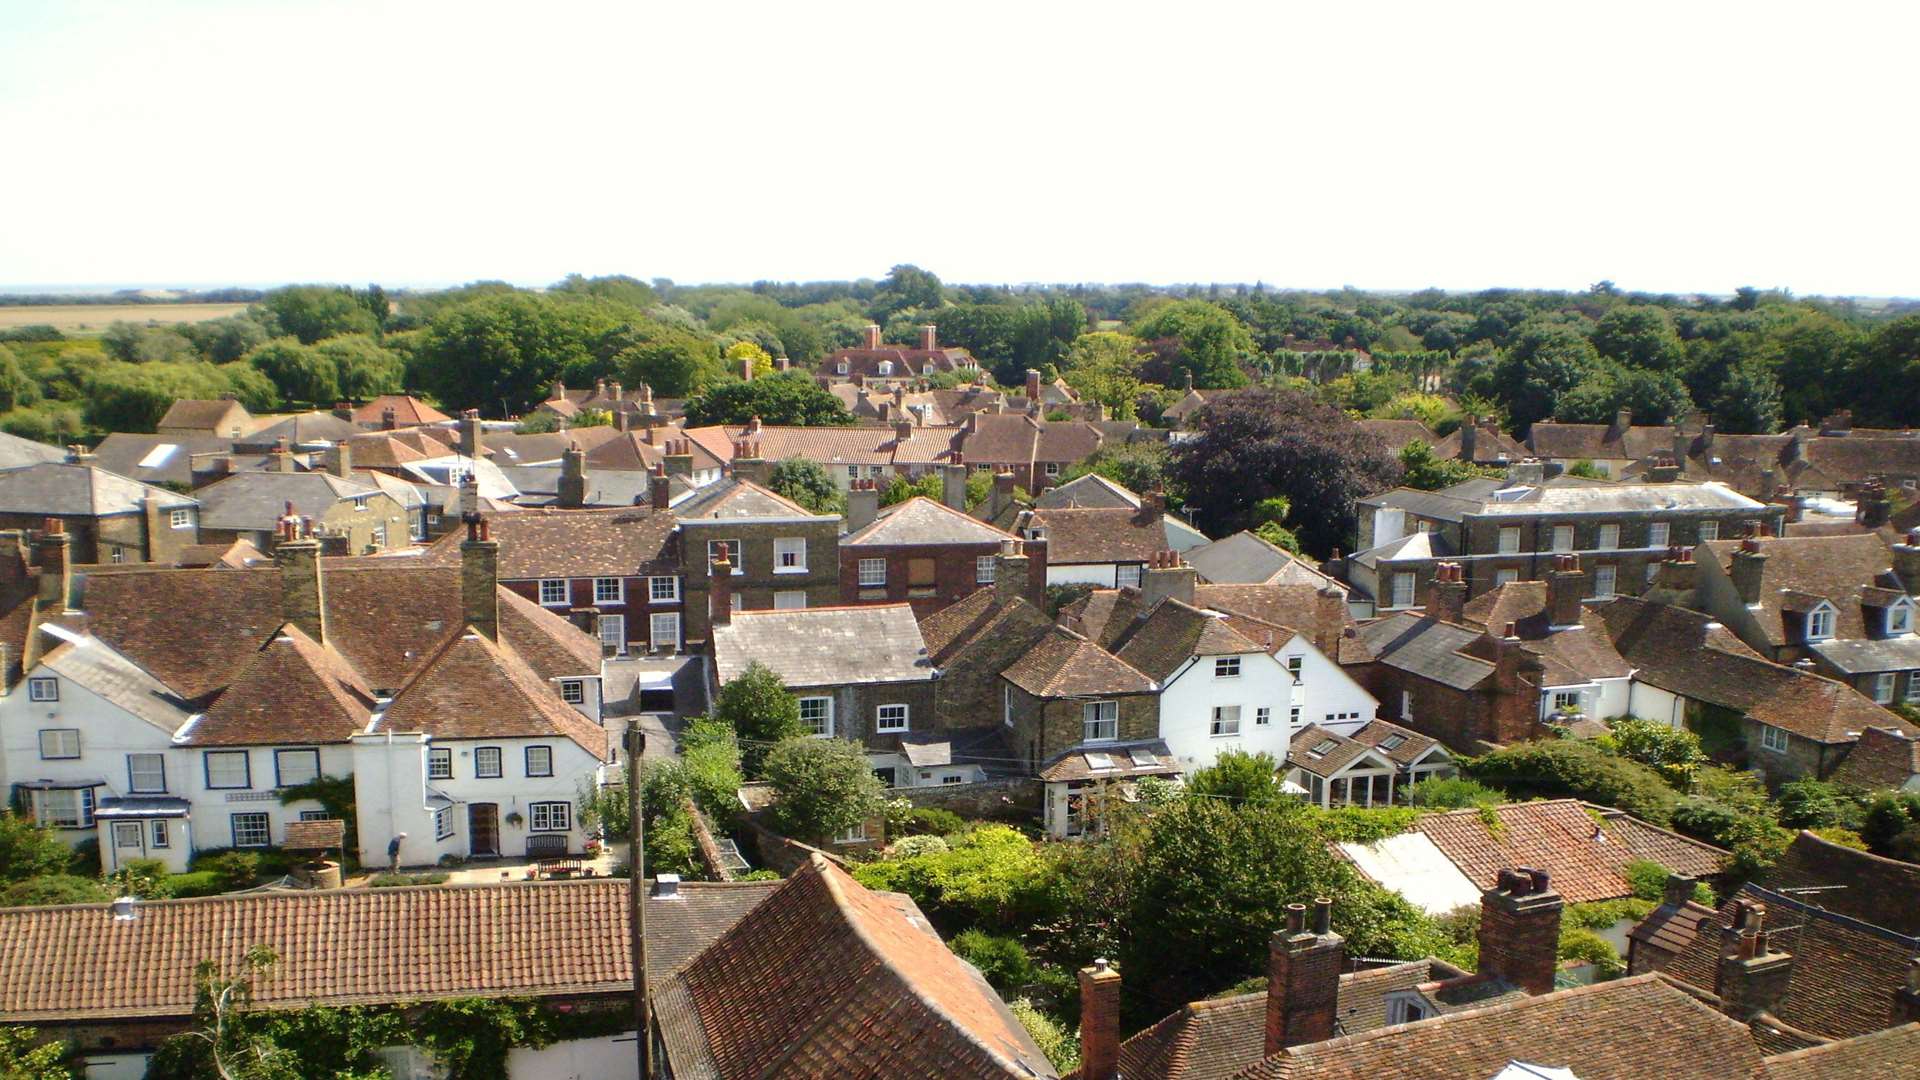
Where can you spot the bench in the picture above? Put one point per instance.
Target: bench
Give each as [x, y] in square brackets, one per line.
[551, 858]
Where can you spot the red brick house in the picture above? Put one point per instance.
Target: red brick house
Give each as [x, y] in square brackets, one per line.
[927, 554]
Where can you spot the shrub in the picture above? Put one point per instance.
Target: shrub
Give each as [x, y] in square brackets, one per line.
[1567, 767]
[29, 851]
[762, 874]
[1816, 804]
[1673, 752]
[922, 844]
[1587, 946]
[1002, 960]
[1452, 793]
[1602, 914]
[933, 821]
[822, 787]
[992, 876]
[1846, 838]
[400, 881]
[1361, 824]
[1888, 816]
[1239, 777]
[233, 869]
[54, 889]
[195, 883]
[1060, 1042]
[143, 878]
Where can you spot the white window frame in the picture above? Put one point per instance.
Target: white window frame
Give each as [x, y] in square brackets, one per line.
[442, 823]
[135, 785]
[891, 717]
[123, 830]
[1883, 688]
[1294, 664]
[985, 570]
[1913, 687]
[1566, 699]
[1606, 579]
[549, 817]
[161, 834]
[209, 758]
[1505, 577]
[1774, 739]
[64, 746]
[573, 691]
[823, 728]
[664, 589]
[1608, 539]
[1226, 722]
[1402, 584]
[1561, 546]
[790, 555]
[180, 518]
[280, 770]
[1820, 623]
[790, 600]
[736, 555]
[550, 586]
[1406, 704]
[1052, 468]
[499, 763]
[669, 621]
[855, 835]
[609, 590]
[1262, 716]
[254, 818]
[1226, 667]
[440, 754]
[83, 807]
[613, 631]
[873, 573]
[1126, 574]
[1097, 717]
[1899, 618]
[545, 754]
[43, 688]
[1657, 534]
[1709, 530]
[1510, 540]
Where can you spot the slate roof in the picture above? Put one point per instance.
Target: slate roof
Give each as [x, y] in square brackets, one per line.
[1844, 971]
[59, 489]
[93, 664]
[1428, 648]
[1064, 664]
[1091, 491]
[357, 946]
[548, 543]
[1866, 1057]
[510, 448]
[1343, 754]
[407, 411]
[256, 501]
[800, 986]
[16, 452]
[291, 691]
[824, 646]
[921, 520]
[1602, 1031]
[1587, 857]
[539, 486]
[1839, 569]
[1870, 888]
[168, 458]
[1174, 632]
[736, 498]
[1096, 536]
[1246, 559]
[1882, 758]
[1687, 653]
[299, 429]
[473, 688]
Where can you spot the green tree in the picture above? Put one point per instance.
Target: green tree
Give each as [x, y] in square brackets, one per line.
[1674, 752]
[138, 344]
[363, 368]
[1638, 335]
[17, 387]
[616, 287]
[1210, 344]
[24, 1057]
[314, 312]
[509, 347]
[789, 397]
[225, 340]
[1105, 367]
[748, 351]
[822, 787]
[27, 850]
[1546, 362]
[808, 483]
[758, 707]
[901, 488]
[298, 371]
[1139, 467]
[1240, 778]
[907, 286]
[1885, 376]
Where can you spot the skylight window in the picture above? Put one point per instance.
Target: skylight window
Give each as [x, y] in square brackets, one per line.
[1321, 748]
[1099, 761]
[1393, 742]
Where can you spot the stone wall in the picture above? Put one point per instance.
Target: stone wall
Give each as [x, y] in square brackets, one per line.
[1012, 799]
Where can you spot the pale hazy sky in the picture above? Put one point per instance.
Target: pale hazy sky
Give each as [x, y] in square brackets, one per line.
[1680, 146]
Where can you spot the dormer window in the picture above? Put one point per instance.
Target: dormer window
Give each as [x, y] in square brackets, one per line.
[1820, 622]
[1900, 618]
[842, 368]
[885, 368]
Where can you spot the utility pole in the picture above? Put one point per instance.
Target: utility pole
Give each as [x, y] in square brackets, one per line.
[637, 897]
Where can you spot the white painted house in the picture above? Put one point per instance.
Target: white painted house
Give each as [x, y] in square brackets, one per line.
[1219, 690]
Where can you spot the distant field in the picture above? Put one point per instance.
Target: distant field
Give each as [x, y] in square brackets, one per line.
[94, 318]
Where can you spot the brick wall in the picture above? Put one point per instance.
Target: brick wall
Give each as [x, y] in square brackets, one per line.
[636, 606]
[969, 690]
[855, 705]
[757, 585]
[1044, 727]
[954, 566]
[1012, 799]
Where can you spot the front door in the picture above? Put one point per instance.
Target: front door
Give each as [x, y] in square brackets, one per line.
[483, 829]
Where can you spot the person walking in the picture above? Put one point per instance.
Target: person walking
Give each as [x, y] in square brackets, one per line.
[393, 853]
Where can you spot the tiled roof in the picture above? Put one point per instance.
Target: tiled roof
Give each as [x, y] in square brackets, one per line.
[1883, 758]
[1670, 927]
[1000, 439]
[1490, 446]
[1091, 491]
[1066, 441]
[352, 946]
[826, 646]
[1687, 653]
[1064, 664]
[1104, 616]
[407, 411]
[1844, 971]
[1596, 442]
[1174, 632]
[921, 520]
[1110, 762]
[475, 689]
[1097, 536]
[804, 985]
[1586, 859]
[256, 501]
[1326, 763]
[1409, 747]
[979, 614]
[1833, 568]
[65, 490]
[866, 362]
[384, 450]
[1571, 655]
[1398, 433]
[831, 446]
[1849, 882]
[627, 542]
[1429, 648]
[204, 413]
[1603, 1032]
[1877, 1056]
[1300, 606]
[291, 691]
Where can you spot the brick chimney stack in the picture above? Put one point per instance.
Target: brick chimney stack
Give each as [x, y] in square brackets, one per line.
[1469, 436]
[573, 477]
[470, 433]
[480, 577]
[1167, 578]
[55, 551]
[1099, 1019]
[282, 456]
[678, 458]
[1622, 420]
[929, 337]
[340, 460]
[660, 489]
[1001, 496]
[1566, 587]
[622, 420]
[953, 484]
[873, 335]
[1447, 595]
[902, 428]
[863, 505]
[1329, 619]
[1303, 978]
[1749, 566]
[1874, 506]
[1751, 978]
[389, 419]
[748, 464]
[302, 593]
[1520, 930]
[1665, 471]
[1906, 998]
[1906, 562]
[720, 588]
[1010, 572]
[1153, 506]
[1675, 578]
[1033, 391]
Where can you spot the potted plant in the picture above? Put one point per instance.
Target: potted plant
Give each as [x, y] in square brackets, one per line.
[515, 819]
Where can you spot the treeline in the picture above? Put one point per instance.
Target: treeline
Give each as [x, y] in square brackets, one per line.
[124, 297]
